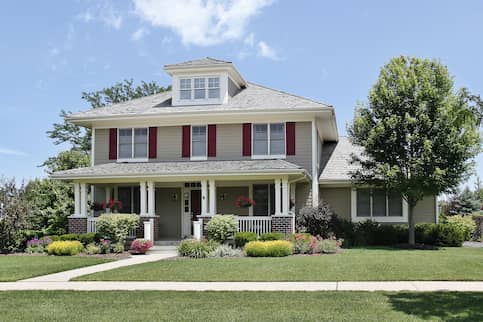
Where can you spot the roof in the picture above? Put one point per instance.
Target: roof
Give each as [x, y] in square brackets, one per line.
[200, 62]
[188, 168]
[252, 98]
[335, 160]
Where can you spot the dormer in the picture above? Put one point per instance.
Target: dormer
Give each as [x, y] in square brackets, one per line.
[204, 81]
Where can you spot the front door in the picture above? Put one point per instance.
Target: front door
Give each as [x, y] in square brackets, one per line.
[168, 208]
[195, 204]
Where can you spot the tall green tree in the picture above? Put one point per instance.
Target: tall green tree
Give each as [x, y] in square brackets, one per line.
[419, 135]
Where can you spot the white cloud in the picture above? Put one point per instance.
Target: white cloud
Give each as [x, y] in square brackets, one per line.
[266, 51]
[139, 34]
[103, 12]
[201, 22]
[250, 39]
[85, 16]
[5, 151]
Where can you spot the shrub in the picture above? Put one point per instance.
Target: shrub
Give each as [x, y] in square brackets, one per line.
[242, 238]
[141, 246]
[195, 248]
[105, 246]
[63, 248]
[36, 245]
[273, 248]
[303, 243]
[93, 249]
[220, 228]
[88, 238]
[118, 247]
[116, 226]
[466, 223]
[225, 251]
[272, 236]
[318, 221]
[328, 246]
[450, 235]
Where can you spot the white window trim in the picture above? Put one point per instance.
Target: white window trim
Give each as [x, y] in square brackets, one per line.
[192, 90]
[381, 219]
[132, 159]
[268, 155]
[198, 158]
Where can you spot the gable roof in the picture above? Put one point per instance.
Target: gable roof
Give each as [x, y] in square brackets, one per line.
[252, 98]
[199, 62]
[335, 160]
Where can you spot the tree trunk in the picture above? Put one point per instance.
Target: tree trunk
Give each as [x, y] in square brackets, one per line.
[412, 234]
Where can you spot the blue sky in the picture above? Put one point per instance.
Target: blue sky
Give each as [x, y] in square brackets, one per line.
[330, 51]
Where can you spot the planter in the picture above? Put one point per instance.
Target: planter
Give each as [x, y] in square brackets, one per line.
[136, 252]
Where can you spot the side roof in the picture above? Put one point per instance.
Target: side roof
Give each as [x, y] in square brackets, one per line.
[335, 161]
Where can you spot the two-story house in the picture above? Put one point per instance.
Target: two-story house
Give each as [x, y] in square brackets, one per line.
[181, 156]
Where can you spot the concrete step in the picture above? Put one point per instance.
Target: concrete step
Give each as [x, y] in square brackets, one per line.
[166, 243]
[157, 249]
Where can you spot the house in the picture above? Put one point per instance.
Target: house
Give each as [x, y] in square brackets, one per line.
[179, 157]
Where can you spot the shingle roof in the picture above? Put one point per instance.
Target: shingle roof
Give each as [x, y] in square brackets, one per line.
[199, 62]
[180, 168]
[335, 161]
[253, 98]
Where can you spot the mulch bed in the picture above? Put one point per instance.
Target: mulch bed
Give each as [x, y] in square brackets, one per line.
[112, 256]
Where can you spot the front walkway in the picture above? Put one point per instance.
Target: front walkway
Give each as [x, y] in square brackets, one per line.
[414, 286]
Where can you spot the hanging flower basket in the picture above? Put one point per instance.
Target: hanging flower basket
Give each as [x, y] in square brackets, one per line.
[114, 205]
[244, 202]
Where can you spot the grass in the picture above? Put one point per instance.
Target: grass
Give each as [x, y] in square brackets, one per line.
[14, 268]
[238, 306]
[351, 265]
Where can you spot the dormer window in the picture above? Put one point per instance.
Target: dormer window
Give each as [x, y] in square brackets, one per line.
[199, 88]
[214, 87]
[185, 88]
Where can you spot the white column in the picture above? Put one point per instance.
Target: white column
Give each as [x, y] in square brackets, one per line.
[83, 199]
[77, 201]
[315, 166]
[142, 198]
[108, 193]
[151, 198]
[204, 197]
[212, 197]
[116, 193]
[250, 195]
[93, 198]
[277, 197]
[285, 196]
[293, 185]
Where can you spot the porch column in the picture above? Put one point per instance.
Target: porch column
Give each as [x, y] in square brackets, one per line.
[250, 195]
[108, 193]
[151, 198]
[278, 200]
[315, 166]
[204, 197]
[83, 199]
[285, 196]
[77, 201]
[142, 197]
[212, 197]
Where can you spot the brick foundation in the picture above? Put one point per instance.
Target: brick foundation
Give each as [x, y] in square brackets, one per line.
[77, 225]
[479, 226]
[140, 229]
[282, 224]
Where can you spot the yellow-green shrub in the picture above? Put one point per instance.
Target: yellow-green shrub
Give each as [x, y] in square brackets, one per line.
[274, 248]
[65, 248]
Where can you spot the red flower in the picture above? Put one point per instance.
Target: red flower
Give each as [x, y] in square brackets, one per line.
[244, 202]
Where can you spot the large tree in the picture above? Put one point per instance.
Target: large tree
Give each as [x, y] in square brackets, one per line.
[419, 135]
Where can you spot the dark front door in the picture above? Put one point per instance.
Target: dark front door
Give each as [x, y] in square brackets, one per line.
[195, 204]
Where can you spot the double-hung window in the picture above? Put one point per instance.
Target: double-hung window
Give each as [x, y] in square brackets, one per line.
[185, 88]
[213, 87]
[268, 140]
[198, 142]
[133, 144]
[199, 88]
[377, 204]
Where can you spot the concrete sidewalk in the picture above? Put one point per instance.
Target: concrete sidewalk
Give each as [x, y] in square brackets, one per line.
[395, 286]
[67, 275]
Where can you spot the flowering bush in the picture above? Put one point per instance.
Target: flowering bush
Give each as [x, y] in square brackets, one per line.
[116, 226]
[328, 246]
[244, 202]
[114, 205]
[140, 246]
[93, 249]
[105, 246]
[221, 227]
[304, 243]
[195, 248]
[36, 245]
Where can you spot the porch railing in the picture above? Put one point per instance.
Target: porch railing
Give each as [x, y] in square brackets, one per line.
[91, 227]
[255, 224]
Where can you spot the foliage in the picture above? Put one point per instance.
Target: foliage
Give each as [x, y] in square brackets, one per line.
[244, 202]
[105, 245]
[118, 247]
[141, 246]
[116, 226]
[303, 243]
[465, 223]
[243, 237]
[225, 251]
[316, 221]
[273, 248]
[93, 249]
[114, 205]
[65, 248]
[196, 248]
[419, 135]
[464, 203]
[37, 245]
[220, 227]
[272, 236]
[66, 160]
[328, 246]
[13, 216]
[85, 239]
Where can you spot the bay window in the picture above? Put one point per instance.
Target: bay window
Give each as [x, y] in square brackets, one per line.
[133, 144]
[268, 140]
[198, 142]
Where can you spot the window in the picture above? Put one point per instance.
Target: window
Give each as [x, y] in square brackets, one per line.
[200, 90]
[264, 197]
[130, 198]
[198, 142]
[377, 203]
[133, 143]
[213, 87]
[269, 140]
[185, 89]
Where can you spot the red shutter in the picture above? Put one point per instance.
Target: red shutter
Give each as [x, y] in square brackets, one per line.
[112, 144]
[211, 140]
[186, 141]
[247, 139]
[290, 137]
[153, 142]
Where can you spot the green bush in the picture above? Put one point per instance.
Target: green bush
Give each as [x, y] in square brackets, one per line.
[118, 247]
[65, 248]
[303, 243]
[273, 248]
[272, 236]
[116, 226]
[466, 223]
[317, 221]
[225, 251]
[450, 235]
[195, 248]
[242, 238]
[93, 249]
[220, 227]
[327, 246]
[85, 239]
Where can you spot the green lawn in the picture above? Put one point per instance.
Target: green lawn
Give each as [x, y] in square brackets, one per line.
[13, 268]
[350, 265]
[238, 306]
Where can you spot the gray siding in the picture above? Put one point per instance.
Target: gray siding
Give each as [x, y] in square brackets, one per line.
[339, 200]
[425, 210]
[101, 147]
[303, 195]
[303, 146]
[229, 142]
[232, 88]
[227, 206]
[169, 144]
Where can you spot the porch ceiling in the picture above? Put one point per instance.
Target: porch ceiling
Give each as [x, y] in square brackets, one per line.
[187, 170]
